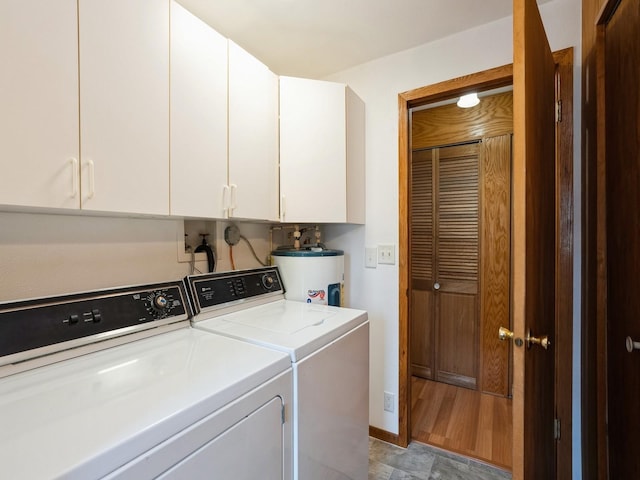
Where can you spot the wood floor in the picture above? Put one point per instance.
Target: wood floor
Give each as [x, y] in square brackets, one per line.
[462, 421]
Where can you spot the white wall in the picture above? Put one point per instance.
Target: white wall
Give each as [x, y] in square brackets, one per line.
[378, 83]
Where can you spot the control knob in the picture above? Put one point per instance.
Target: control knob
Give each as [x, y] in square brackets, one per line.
[268, 281]
[159, 304]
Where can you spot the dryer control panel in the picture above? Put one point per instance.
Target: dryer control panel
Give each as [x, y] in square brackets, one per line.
[41, 326]
[216, 290]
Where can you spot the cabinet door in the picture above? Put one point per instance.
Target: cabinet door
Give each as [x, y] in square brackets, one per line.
[39, 103]
[124, 105]
[253, 137]
[198, 117]
[312, 151]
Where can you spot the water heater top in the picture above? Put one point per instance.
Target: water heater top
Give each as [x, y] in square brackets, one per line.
[306, 252]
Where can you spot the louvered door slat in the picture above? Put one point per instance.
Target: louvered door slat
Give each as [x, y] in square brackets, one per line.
[458, 207]
[421, 223]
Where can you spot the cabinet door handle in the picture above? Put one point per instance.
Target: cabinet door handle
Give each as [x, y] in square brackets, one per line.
[225, 199]
[234, 199]
[74, 176]
[283, 208]
[92, 179]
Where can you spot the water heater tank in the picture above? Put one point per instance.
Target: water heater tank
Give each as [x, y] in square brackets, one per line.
[312, 275]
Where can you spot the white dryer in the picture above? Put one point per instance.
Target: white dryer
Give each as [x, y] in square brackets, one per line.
[329, 352]
[116, 384]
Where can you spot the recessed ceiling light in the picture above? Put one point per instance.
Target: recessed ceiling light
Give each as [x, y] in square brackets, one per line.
[469, 100]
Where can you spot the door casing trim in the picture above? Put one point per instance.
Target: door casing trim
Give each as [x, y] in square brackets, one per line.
[487, 80]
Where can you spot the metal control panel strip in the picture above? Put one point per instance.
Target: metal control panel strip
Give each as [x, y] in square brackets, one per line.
[37, 327]
[215, 291]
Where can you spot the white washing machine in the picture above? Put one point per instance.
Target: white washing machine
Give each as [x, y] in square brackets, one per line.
[329, 352]
[116, 384]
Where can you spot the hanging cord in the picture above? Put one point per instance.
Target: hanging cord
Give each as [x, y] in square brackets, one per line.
[253, 251]
[233, 265]
[205, 247]
[192, 262]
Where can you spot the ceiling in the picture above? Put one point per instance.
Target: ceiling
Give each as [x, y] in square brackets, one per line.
[315, 38]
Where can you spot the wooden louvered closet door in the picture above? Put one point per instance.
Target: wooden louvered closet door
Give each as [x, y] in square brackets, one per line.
[444, 226]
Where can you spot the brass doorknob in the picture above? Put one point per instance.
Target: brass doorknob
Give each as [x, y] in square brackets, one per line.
[543, 340]
[505, 333]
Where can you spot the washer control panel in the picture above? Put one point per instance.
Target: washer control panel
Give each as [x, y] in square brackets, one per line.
[32, 324]
[225, 288]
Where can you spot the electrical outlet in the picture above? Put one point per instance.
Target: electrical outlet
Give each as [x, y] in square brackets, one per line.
[388, 402]
[387, 254]
[232, 235]
[370, 254]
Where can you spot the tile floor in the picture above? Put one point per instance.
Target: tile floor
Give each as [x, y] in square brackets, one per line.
[422, 462]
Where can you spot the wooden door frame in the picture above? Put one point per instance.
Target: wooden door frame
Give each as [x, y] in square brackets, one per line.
[482, 81]
[607, 9]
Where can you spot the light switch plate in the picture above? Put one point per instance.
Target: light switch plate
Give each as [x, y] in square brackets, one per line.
[370, 257]
[387, 254]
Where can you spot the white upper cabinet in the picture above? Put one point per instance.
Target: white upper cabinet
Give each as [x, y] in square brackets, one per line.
[198, 117]
[139, 107]
[253, 137]
[39, 146]
[124, 105]
[322, 169]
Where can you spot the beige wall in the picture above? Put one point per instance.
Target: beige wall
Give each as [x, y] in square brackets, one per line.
[50, 254]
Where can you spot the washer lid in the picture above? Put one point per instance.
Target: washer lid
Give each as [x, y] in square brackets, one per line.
[297, 328]
[284, 319]
[85, 417]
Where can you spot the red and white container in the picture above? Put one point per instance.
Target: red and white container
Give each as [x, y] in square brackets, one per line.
[312, 274]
